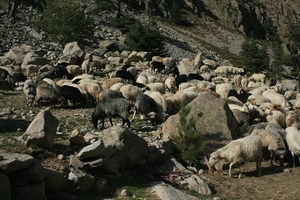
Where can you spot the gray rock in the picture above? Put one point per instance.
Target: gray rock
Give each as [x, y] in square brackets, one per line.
[167, 192]
[195, 183]
[55, 181]
[4, 187]
[29, 191]
[94, 150]
[123, 148]
[213, 118]
[14, 162]
[34, 59]
[73, 48]
[41, 131]
[34, 173]
[81, 180]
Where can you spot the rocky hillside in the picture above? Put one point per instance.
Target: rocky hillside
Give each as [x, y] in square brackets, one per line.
[240, 15]
[218, 28]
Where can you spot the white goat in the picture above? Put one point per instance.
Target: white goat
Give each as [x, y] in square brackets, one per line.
[238, 151]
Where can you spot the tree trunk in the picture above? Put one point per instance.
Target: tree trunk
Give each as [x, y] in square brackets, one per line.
[118, 9]
[14, 8]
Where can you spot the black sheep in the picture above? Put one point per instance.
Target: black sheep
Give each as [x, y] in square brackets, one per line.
[193, 76]
[146, 105]
[181, 79]
[73, 95]
[116, 107]
[48, 93]
[126, 75]
[15, 77]
[156, 66]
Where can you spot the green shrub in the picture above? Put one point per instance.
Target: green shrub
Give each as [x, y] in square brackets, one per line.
[255, 57]
[145, 37]
[64, 21]
[188, 141]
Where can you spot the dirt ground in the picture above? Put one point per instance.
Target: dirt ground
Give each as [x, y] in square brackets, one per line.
[275, 183]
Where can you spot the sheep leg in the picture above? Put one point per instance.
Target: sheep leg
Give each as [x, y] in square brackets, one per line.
[134, 112]
[230, 168]
[102, 120]
[128, 122]
[258, 166]
[272, 155]
[293, 159]
[111, 123]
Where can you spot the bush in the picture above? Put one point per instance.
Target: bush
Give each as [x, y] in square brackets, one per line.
[145, 38]
[254, 56]
[188, 141]
[64, 21]
[176, 15]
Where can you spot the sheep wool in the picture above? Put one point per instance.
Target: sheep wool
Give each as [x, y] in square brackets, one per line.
[238, 151]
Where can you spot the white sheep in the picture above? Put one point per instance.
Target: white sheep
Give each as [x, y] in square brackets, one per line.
[175, 101]
[238, 151]
[222, 70]
[293, 141]
[185, 85]
[161, 105]
[117, 86]
[289, 95]
[204, 68]
[170, 84]
[237, 81]
[29, 90]
[272, 140]
[160, 87]
[276, 98]
[50, 82]
[154, 79]
[244, 82]
[206, 84]
[142, 78]
[292, 118]
[60, 82]
[74, 70]
[258, 77]
[92, 88]
[223, 89]
[130, 92]
[258, 99]
[277, 115]
[110, 82]
[86, 65]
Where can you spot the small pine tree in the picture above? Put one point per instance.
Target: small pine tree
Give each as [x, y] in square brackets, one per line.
[145, 38]
[177, 16]
[188, 141]
[255, 57]
[64, 21]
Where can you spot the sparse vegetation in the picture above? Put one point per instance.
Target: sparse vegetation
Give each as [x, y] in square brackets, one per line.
[145, 37]
[64, 21]
[188, 140]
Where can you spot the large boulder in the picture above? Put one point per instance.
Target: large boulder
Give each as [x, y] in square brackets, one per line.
[14, 162]
[213, 118]
[123, 149]
[34, 59]
[42, 130]
[4, 187]
[185, 66]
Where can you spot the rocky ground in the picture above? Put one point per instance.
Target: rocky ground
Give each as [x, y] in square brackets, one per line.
[15, 117]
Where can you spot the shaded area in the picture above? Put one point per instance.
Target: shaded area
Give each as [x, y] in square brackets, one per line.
[13, 125]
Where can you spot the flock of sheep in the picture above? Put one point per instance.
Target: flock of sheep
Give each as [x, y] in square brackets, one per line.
[267, 110]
